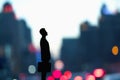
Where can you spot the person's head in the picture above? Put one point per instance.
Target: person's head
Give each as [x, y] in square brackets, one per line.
[43, 32]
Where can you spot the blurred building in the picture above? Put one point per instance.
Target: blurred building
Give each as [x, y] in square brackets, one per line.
[15, 42]
[93, 48]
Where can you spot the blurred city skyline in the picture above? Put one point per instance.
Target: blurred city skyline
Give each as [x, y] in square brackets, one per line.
[60, 18]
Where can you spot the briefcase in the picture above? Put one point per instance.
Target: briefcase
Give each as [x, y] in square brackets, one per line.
[44, 67]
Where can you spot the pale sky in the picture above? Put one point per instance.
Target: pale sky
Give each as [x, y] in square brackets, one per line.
[61, 18]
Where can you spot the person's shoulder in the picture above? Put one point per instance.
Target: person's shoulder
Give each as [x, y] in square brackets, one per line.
[42, 38]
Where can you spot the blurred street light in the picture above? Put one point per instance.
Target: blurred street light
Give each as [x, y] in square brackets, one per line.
[115, 50]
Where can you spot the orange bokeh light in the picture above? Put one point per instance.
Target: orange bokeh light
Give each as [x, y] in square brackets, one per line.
[90, 77]
[78, 78]
[115, 50]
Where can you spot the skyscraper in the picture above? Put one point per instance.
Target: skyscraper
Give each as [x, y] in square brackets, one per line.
[15, 38]
[92, 49]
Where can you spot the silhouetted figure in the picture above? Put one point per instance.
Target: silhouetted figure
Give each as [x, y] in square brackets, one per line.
[44, 66]
[45, 50]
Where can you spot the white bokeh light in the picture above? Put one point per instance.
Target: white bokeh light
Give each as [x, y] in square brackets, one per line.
[31, 69]
[59, 64]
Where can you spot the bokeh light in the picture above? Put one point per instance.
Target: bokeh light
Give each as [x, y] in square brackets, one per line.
[31, 48]
[59, 64]
[98, 73]
[115, 50]
[7, 8]
[22, 76]
[50, 78]
[90, 77]
[68, 74]
[57, 73]
[31, 69]
[63, 77]
[78, 78]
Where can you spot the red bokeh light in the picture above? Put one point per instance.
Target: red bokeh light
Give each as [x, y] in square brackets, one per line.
[50, 78]
[63, 77]
[98, 73]
[68, 74]
[7, 9]
[90, 77]
[31, 48]
[57, 73]
[22, 76]
[78, 78]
